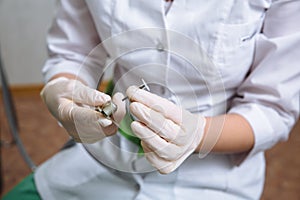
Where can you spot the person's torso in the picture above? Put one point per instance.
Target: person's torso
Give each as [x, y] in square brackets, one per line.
[200, 50]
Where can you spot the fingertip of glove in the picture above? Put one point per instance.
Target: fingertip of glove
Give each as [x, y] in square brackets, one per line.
[103, 97]
[118, 96]
[104, 122]
[166, 170]
[134, 126]
[131, 91]
[136, 107]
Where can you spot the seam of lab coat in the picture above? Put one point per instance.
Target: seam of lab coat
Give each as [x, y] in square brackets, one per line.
[219, 33]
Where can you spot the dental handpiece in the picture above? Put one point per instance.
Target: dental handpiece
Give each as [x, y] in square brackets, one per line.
[109, 108]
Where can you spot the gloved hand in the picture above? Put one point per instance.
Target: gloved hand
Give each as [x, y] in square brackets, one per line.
[168, 133]
[72, 104]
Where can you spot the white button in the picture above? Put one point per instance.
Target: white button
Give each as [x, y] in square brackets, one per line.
[160, 47]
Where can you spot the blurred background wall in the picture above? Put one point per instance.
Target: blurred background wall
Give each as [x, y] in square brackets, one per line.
[23, 27]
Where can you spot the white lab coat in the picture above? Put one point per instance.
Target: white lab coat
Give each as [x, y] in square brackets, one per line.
[253, 45]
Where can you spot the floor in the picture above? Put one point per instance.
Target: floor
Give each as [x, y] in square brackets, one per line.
[43, 137]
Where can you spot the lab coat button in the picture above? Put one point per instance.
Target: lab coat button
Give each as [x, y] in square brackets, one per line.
[160, 47]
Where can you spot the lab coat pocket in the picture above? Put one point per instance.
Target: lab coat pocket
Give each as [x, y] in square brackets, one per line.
[234, 49]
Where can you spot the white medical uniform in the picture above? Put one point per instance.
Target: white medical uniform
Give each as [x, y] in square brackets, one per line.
[253, 43]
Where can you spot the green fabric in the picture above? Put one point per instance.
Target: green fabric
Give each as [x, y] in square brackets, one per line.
[109, 87]
[124, 127]
[25, 190]
[126, 131]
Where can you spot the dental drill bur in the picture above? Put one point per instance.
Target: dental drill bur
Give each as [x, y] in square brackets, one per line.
[144, 86]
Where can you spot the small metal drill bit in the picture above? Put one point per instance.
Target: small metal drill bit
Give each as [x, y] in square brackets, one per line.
[144, 86]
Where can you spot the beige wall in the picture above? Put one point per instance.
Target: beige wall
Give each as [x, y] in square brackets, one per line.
[23, 26]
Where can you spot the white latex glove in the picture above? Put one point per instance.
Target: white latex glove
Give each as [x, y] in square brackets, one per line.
[169, 133]
[72, 104]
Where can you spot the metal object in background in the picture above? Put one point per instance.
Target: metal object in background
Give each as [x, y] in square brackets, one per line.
[12, 119]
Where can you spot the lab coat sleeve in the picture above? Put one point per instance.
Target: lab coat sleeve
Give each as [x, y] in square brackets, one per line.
[70, 40]
[269, 97]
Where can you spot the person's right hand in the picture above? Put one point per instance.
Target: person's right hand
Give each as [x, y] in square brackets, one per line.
[72, 104]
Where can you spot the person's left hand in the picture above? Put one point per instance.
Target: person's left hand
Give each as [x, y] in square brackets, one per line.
[168, 133]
